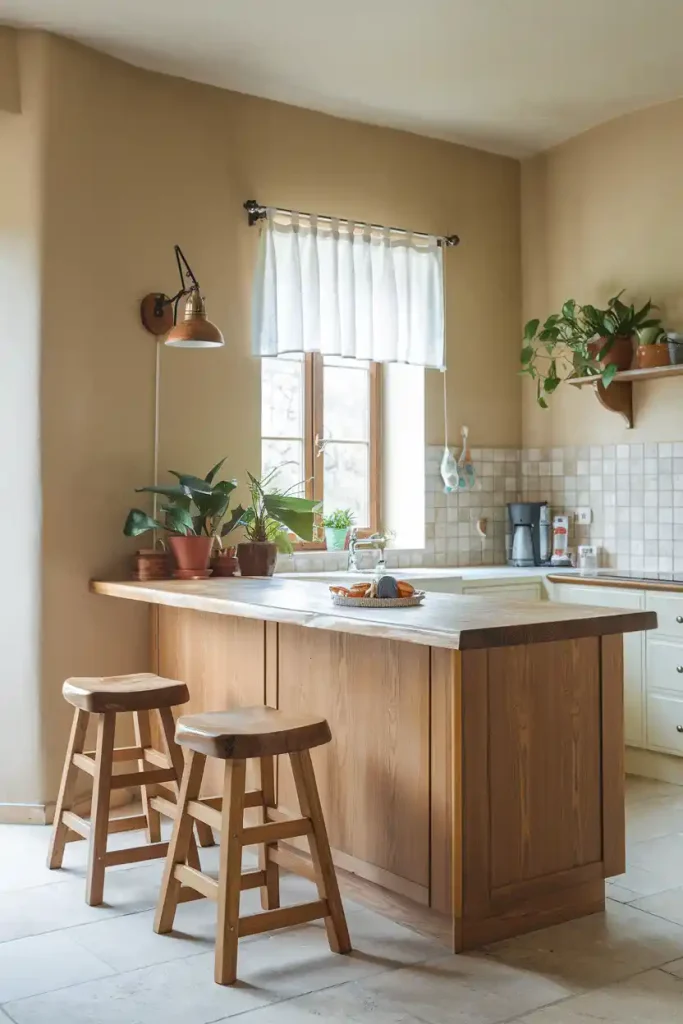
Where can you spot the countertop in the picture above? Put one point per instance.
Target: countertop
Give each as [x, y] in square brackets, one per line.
[502, 573]
[672, 586]
[444, 620]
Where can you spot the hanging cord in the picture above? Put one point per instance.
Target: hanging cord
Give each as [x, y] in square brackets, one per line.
[157, 406]
[445, 410]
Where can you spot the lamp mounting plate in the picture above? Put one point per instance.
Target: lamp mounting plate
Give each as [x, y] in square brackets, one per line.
[156, 313]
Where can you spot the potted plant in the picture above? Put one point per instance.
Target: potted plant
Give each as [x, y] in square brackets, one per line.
[267, 522]
[581, 341]
[653, 348]
[192, 517]
[337, 526]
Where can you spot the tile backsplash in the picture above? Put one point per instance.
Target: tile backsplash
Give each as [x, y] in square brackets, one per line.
[634, 491]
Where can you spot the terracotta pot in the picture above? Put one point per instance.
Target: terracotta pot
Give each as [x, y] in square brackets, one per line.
[648, 356]
[225, 562]
[151, 564]
[191, 552]
[620, 352]
[257, 558]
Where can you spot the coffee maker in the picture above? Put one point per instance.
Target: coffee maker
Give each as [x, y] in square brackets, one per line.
[530, 533]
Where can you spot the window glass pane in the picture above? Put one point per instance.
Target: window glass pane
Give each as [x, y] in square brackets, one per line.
[282, 397]
[346, 403]
[275, 453]
[347, 480]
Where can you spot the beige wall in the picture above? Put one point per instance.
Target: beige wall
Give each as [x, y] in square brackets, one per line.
[9, 71]
[134, 162]
[601, 212]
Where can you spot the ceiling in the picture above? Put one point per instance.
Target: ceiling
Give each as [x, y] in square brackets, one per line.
[512, 76]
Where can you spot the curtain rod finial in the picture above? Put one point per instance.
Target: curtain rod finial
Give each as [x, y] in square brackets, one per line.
[255, 211]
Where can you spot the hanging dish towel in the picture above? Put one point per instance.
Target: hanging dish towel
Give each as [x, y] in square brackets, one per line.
[466, 471]
[449, 465]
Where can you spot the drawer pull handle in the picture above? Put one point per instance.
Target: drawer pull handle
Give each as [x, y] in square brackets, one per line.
[679, 728]
[679, 620]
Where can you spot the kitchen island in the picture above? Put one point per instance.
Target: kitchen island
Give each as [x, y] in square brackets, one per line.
[476, 766]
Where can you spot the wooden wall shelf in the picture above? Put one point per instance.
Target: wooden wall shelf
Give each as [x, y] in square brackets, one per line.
[618, 397]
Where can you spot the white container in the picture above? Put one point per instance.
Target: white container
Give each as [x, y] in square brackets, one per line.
[588, 559]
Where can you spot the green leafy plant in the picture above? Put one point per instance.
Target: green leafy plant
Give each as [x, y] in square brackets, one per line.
[195, 507]
[568, 344]
[272, 515]
[339, 519]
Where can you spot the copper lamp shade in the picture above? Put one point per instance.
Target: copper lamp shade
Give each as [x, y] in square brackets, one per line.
[194, 330]
[159, 313]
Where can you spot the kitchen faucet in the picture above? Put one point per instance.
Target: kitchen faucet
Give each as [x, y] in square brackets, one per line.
[378, 542]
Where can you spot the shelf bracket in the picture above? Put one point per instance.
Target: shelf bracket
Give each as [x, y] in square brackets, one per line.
[617, 397]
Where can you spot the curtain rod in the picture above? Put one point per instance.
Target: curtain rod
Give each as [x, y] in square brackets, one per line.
[256, 212]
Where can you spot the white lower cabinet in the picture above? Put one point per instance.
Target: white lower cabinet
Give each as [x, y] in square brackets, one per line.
[634, 689]
[664, 673]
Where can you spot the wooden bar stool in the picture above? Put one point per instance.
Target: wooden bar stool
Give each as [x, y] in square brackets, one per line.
[105, 697]
[235, 736]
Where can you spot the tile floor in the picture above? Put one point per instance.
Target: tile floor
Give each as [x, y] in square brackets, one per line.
[61, 961]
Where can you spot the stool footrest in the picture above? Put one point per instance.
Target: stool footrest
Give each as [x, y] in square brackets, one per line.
[85, 762]
[197, 880]
[76, 824]
[125, 754]
[165, 806]
[134, 854]
[273, 831]
[285, 917]
[201, 812]
[144, 778]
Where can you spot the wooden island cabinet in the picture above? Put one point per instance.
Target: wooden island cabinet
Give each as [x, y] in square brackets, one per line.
[476, 766]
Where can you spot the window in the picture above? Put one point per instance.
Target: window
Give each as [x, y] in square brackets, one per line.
[319, 423]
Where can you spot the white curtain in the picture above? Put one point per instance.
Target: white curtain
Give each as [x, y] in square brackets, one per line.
[346, 289]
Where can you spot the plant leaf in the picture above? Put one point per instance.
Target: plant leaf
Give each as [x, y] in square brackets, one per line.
[608, 374]
[542, 402]
[239, 517]
[527, 354]
[138, 522]
[174, 491]
[193, 483]
[212, 472]
[297, 514]
[530, 329]
[179, 520]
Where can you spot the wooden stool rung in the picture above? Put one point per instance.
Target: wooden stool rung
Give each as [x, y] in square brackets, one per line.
[197, 880]
[253, 879]
[163, 805]
[198, 810]
[142, 778]
[153, 756]
[273, 831]
[293, 860]
[129, 823]
[284, 917]
[76, 824]
[85, 762]
[252, 798]
[123, 754]
[134, 854]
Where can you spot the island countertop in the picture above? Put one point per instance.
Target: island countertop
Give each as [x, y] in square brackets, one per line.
[444, 620]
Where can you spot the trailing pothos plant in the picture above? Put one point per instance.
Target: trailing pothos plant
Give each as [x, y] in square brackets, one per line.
[272, 514]
[195, 507]
[575, 342]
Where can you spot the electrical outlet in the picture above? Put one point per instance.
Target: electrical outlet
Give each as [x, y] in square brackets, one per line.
[583, 516]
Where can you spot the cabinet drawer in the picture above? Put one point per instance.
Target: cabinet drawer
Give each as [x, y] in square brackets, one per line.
[664, 720]
[664, 665]
[669, 610]
[523, 592]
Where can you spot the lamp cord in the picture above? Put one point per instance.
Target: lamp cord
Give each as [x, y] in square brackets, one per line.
[157, 406]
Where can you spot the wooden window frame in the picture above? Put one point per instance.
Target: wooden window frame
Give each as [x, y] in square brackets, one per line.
[313, 428]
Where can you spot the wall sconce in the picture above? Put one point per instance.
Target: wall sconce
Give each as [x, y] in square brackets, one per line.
[159, 313]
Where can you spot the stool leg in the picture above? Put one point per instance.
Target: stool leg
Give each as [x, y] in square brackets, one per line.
[67, 787]
[230, 872]
[175, 756]
[326, 877]
[99, 813]
[270, 892]
[180, 844]
[143, 738]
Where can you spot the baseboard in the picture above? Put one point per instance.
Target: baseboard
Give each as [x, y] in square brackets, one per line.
[24, 814]
[650, 764]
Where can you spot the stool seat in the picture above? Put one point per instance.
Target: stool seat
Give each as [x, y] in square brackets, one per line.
[250, 732]
[143, 691]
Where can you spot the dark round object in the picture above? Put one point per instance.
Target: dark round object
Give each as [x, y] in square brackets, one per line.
[387, 587]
